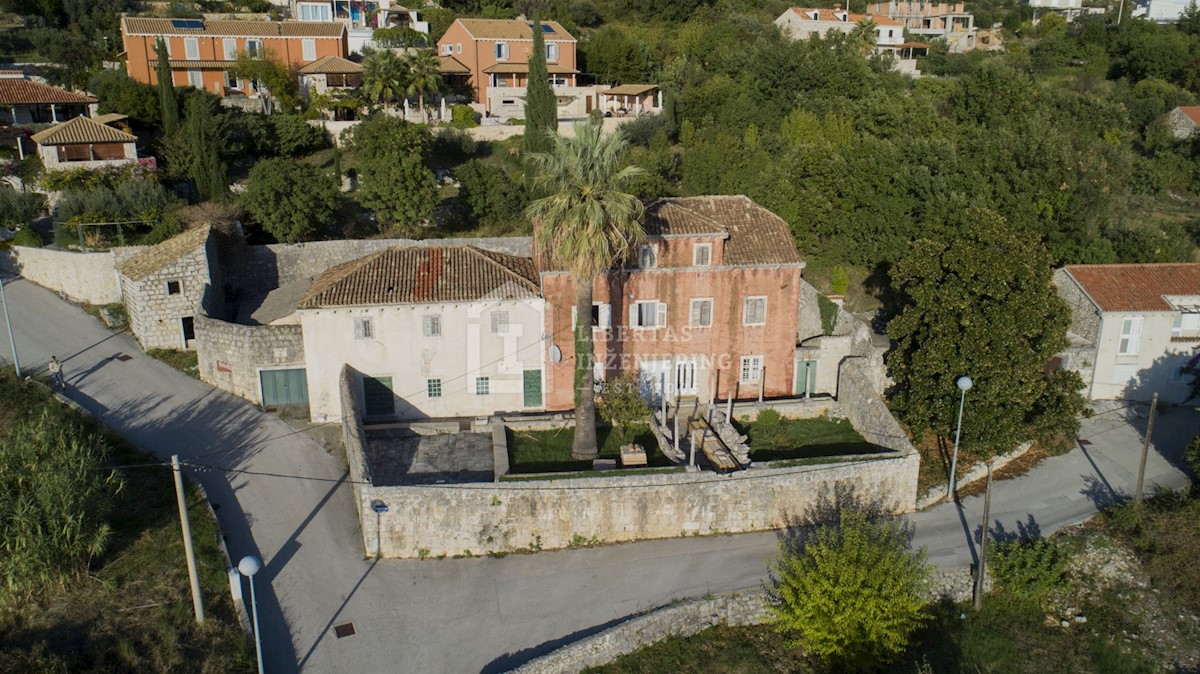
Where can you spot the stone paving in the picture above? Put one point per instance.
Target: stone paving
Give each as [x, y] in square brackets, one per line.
[400, 456]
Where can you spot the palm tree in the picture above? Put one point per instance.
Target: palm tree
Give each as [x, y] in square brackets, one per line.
[586, 225]
[862, 36]
[384, 77]
[423, 75]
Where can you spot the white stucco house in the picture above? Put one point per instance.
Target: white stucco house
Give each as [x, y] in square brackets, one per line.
[800, 23]
[1135, 328]
[431, 332]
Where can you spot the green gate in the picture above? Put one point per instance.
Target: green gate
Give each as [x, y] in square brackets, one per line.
[806, 377]
[377, 396]
[284, 387]
[533, 388]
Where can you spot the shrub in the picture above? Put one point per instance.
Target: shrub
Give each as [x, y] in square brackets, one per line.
[767, 430]
[291, 200]
[27, 237]
[839, 280]
[454, 145]
[492, 195]
[18, 209]
[1192, 455]
[463, 117]
[1030, 569]
[293, 136]
[620, 402]
[641, 131]
[829, 312]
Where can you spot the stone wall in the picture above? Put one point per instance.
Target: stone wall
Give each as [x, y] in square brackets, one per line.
[81, 277]
[682, 619]
[280, 264]
[354, 439]
[230, 355]
[1085, 317]
[155, 314]
[864, 407]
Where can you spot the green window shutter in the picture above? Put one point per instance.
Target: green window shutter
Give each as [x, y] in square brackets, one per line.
[533, 388]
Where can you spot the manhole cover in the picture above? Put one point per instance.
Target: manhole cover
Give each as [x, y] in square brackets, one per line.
[344, 630]
[124, 357]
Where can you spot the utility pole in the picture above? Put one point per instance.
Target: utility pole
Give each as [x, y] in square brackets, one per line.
[186, 525]
[1137, 495]
[8, 324]
[987, 508]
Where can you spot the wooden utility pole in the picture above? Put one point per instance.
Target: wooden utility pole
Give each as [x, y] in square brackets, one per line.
[1137, 496]
[186, 525]
[983, 540]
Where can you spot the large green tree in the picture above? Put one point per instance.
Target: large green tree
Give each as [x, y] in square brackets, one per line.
[403, 194]
[541, 106]
[291, 200]
[982, 305]
[166, 90]
[853, 594]
[586, 224]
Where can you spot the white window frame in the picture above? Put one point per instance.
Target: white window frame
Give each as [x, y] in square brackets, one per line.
[500, 322]
[195, 79]
[750, 369]
[433, 387]
[191, 48]
[231, 82]
[483, 386]
[431, 325]
[308, 49]
[552, 52]
[501, 51]
[746, 304]
[229, 47]
[447, 49]
[635, 315]
[694, 320]
[697, 249]
[642, 256]
[604, 316]
[1131, 335]
[254, 48]
[364, 328]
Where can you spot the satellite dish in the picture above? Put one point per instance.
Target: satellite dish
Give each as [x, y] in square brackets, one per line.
[555, 354]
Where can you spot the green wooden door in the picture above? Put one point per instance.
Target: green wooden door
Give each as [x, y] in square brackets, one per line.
[284, 387]
[533, 388]
[806, 377]
[377, 396]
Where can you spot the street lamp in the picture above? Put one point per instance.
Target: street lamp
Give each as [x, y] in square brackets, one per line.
[8, 324]
[248, 567]
[964, 384]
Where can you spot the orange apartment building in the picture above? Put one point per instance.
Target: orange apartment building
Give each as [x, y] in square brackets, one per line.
[708, 305]
[201, 52]
[493, 55]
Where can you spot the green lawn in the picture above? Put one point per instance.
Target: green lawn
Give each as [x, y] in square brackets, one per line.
[132, 611]
[550, 451]
[803, 439]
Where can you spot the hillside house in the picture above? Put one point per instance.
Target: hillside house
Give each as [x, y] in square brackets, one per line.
[1183, 121]
[945, 21]
[23, 101]
[361, 18]
[84, 142]
[800, 23]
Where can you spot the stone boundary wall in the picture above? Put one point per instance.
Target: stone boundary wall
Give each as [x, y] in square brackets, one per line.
[354, 440]
[864, 407]
[681, 619]
[277, 265]
[938, 494]
[229, 355]
[81, 277]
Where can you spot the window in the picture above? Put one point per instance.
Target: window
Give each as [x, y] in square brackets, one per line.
[601, 316]
[191, 48]
[499, 322]
[1131, 333]
[649, 314]
[483, 386]
[1186, 325]
[458, 48]
[754, 311]
[433, 388]
[702, 254]
[229, 45]
[312, 12]
[308, 50]
[751, 370]
[701, 316]
[551, 52]
[431, 325]
[195, 79]
[647, 257]
[173, 287]
[364, 328]
[230, 80]
[501, 51]
[447, 49]
[254, 47]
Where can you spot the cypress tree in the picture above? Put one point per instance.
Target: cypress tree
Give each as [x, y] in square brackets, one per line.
[166, 90]
[207, 170]
[541, 106]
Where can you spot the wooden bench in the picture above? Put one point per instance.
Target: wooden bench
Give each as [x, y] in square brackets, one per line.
[633, 455]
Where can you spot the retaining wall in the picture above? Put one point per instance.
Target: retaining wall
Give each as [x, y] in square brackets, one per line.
[81, 277]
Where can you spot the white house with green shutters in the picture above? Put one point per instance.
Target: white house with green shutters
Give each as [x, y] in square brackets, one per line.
[431, 333]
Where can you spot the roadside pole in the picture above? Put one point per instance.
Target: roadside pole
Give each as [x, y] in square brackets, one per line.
[8, 324]
[186, 525]
[983, 540]
[1137, 495]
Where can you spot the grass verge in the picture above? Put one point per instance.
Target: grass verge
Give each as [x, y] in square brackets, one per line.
[184, 361]
[550, 451]
[803, 439]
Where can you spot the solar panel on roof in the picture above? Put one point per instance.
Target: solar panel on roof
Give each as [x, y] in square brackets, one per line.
[187, 24]
[545, 28]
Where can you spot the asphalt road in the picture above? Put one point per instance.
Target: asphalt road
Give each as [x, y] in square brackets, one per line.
[281, 496]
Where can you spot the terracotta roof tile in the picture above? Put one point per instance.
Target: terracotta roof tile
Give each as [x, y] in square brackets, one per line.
[756, 235]
[825, 14]
[14, 91]
[1192, 112]
[156, 257]
[423, 275]
[512, 29]
[449, 64]
[82, 130]
[630, 89]
[1136, 287]
[331, 65]
[202, 64]
[232, 28]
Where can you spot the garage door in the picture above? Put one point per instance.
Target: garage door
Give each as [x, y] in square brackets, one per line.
[284, 387]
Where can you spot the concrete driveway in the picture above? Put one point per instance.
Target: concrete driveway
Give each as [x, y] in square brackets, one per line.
[279, 495]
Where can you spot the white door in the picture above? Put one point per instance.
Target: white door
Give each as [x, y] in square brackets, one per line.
[685, 377]
[653, 379]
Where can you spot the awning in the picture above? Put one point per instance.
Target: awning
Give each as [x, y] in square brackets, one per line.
[630, 90]
[522, 68]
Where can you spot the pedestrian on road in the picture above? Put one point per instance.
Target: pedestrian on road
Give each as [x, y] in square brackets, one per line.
[56, 373]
